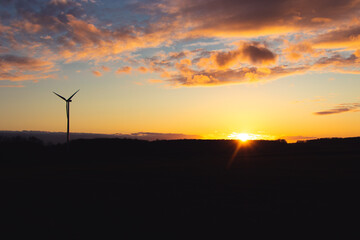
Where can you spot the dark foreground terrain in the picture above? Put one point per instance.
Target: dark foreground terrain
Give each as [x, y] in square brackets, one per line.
[108, 188]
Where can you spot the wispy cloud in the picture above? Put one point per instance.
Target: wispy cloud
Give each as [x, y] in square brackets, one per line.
[22, 68]
[11, 86]
[22, 63]
[345, 37]
[190, 77]
[341, 108]
[153, 81]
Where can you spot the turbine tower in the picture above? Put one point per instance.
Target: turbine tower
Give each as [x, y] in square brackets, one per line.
[68, 101]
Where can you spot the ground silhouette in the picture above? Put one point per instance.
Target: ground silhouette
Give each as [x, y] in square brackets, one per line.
[108, 186]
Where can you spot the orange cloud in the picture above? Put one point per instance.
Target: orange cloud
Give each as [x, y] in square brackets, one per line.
[97, 73]
[27, 26]
[337, 63]
[295, 52]
[250, 53]
[177, 55]
[320, 20]
[257, 54]
[85, 41]
[225, 59]
[185, 62]
[59, 2]
[190, 77]
[155, 81]
[20, 68]
[125, 69]
[12, 62]
[18, 77]
[106, 69]
[142, 69]
[86, 33]
[4, 29]
[348, 38]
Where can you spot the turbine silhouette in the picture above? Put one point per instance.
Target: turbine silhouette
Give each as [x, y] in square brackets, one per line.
[68, 101]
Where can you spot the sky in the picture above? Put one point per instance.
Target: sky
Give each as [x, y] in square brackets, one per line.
[198, 69]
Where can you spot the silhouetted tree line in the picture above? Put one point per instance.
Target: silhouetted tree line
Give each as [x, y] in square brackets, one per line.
[32, 150]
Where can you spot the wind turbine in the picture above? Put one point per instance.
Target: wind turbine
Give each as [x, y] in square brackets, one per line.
[68, 101]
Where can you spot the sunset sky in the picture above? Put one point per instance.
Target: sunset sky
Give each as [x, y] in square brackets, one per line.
[205, 69]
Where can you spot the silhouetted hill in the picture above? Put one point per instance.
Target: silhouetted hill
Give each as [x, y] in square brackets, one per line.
[18, 149]
[60, 137]
[103, 185]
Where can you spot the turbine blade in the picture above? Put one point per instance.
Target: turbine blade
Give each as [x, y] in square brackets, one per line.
[59, 96]
[73, 95]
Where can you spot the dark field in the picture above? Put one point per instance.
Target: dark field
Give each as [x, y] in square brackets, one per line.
[110, 187]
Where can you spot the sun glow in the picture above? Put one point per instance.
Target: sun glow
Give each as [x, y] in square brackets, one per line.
[244, 137]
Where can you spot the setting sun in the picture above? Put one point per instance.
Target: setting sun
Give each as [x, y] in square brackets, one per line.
[242, 136]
